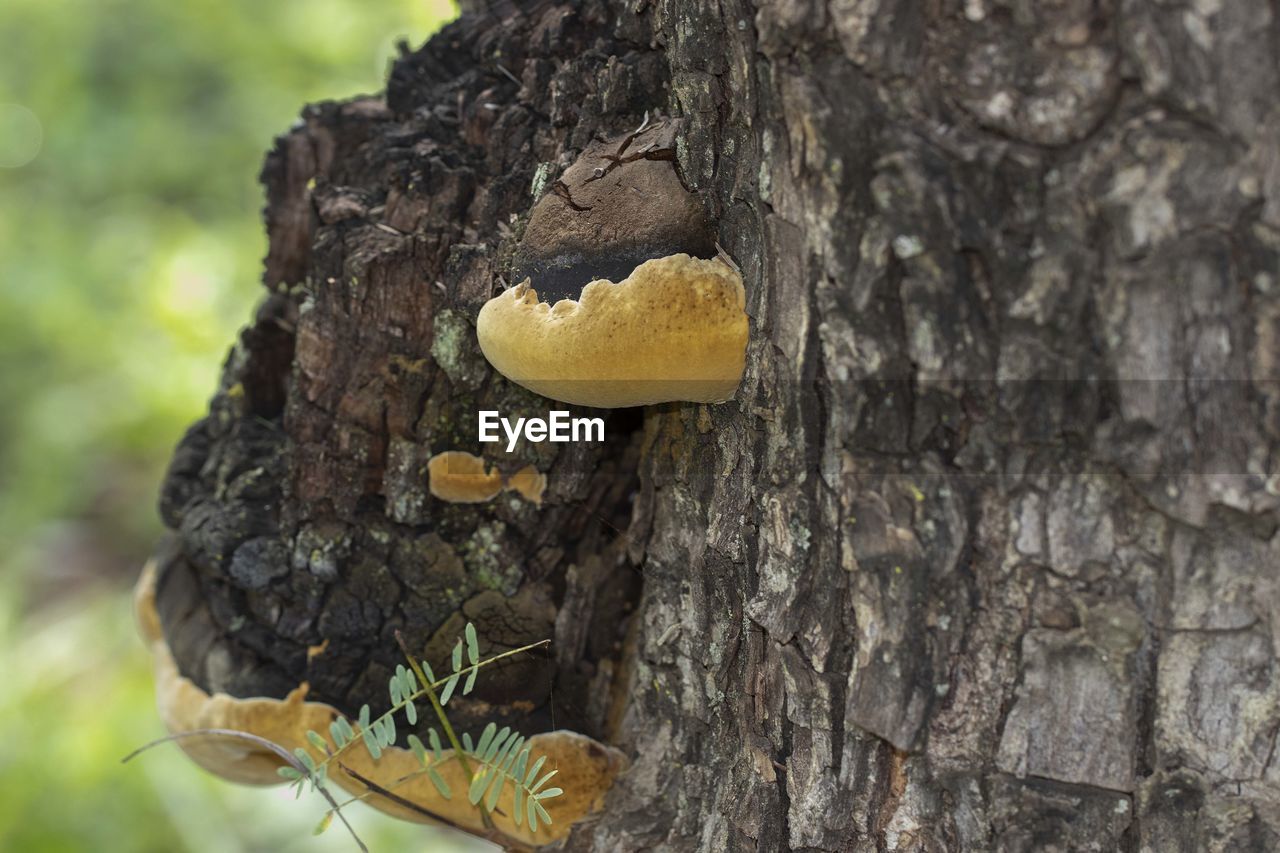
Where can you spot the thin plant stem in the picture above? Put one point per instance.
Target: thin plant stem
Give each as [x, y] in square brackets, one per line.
[284, 755]
[374, 788]
[444, 720]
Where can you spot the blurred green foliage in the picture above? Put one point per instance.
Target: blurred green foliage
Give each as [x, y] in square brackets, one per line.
[131, 134]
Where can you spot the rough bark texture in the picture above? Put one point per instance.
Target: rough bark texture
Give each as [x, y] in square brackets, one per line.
[982, 556]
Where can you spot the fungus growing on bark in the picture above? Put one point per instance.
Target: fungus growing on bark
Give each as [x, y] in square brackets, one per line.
[529, 482]
[672, 327]
[460, 477]
[184, 707]
[586, 768]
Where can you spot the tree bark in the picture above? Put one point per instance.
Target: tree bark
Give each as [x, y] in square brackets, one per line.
[983, 554]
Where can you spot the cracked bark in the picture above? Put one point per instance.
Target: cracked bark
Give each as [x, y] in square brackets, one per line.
[982, 556]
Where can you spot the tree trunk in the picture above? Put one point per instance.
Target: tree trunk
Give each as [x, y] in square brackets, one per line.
[982, 555]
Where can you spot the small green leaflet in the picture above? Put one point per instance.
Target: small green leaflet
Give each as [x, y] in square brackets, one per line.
[317, 742]
[449, 687]
[534, 811]
[473, 645]
[305, 758]
[543, 781]
[419, 751]
[476, 791]
[490, 754]
[438, 781]
[473, 655]
[371, 743]
[518, 773]
[385, 729]
[509, 753]
[495, 790]
[338, 731]
[533, 771]
[485, 737]
[434, 740]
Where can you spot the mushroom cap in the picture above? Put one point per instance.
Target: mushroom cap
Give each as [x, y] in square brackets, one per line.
[675, 329]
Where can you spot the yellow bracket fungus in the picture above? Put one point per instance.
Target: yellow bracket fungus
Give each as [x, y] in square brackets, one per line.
[586, 767]
[675, 329]
[460, 477]
[636, 306]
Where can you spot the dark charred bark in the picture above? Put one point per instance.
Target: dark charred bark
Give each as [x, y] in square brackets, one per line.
[982, 556]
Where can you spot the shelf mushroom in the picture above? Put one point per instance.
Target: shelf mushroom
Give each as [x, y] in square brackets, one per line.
[674, 327]
[459, 477]
[586, 768]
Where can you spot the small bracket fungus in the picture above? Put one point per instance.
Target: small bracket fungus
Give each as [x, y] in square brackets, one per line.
[460, 477]
[672, 327]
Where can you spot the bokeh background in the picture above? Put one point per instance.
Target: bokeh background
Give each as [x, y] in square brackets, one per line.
[131, 134]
